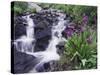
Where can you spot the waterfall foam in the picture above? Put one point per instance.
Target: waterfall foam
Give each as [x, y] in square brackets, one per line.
[26, 41]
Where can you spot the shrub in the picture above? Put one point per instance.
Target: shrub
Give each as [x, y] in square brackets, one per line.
[82, 47]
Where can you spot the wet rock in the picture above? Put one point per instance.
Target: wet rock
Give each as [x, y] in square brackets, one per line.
[44, 18]
[60, 48]
[23, 63]
[19, 20]
[42, 43]
[43, 68]
[20, 30]
[19, 26]
[39, 33]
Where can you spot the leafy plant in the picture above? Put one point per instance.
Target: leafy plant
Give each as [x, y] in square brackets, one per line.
[83, 47]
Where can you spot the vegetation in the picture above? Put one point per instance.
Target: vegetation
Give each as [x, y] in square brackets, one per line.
[75, 11]
[82, 49]
[20, 7]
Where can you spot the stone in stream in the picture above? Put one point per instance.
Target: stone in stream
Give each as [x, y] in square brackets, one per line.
[20, 30]
[42, 43]
[19, 27]
[22, 63]
[41, 33]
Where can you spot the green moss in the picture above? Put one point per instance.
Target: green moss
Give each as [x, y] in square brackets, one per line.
[32, 10]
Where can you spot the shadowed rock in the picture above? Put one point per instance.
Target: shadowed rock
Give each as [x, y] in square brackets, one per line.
[23, 63]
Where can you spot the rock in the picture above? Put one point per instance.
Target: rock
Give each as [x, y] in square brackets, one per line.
[42, 43]
[44, 18]
[23, 63]
[19, 30]
[60, 47]
[42, 33]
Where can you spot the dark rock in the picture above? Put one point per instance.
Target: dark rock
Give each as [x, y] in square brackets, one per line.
[23, 63]
[19, 30]
[60, 48]
[40, 33]
[42, 43]
[44, 18]
[24, 13]
[19, 20]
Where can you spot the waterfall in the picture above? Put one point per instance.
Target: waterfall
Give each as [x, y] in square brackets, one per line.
[25, 43]
[30, 27]
[50, 54]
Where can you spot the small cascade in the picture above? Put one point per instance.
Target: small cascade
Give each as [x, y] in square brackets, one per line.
[50, 54]
[26, 43]
[30, 27]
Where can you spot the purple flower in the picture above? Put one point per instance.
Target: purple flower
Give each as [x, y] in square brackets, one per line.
[89, 40]
[82, 28]
[69, 31]
[84, 19]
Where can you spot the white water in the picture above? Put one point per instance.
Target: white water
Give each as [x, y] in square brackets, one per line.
[26, 41]
[30, 27]
[50, 54]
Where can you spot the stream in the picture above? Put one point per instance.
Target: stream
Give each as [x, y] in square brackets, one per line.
[37, 40]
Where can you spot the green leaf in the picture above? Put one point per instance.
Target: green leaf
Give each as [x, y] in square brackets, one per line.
[83, 61]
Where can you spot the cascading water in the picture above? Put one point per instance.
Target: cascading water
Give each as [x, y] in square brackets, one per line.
[30, 27]
[26, 43]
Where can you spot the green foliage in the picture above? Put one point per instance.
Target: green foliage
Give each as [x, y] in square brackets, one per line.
[17, 10]
[76, 11]
[78, 47]
[20, 7]
[32, 10]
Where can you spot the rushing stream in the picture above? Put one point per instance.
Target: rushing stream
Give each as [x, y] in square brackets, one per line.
[43, 34]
